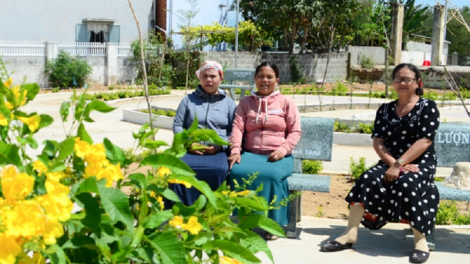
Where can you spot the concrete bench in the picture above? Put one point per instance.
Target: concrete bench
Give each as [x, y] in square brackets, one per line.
[452, 143]
[233, 76]
[316, 143]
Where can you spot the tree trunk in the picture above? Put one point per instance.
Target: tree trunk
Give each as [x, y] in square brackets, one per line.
[304, 40]
[292, 37]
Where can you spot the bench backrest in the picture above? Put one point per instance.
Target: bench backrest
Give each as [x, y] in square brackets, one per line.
[242, 75]
[452, 143]
[316, 142]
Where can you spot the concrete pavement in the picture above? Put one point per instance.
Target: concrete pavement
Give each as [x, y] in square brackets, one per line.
[392, 244]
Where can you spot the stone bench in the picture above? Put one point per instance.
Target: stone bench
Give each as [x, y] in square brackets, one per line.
[452, 143]
[316, 143]
[233, 75]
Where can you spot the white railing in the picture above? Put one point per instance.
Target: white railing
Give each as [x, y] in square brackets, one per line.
[83, 48]
[124, 50]
[22, 48]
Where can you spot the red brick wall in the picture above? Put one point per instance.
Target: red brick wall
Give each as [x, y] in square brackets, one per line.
[161, 15]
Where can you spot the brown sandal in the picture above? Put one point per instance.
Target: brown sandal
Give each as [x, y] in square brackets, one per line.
[269, 236]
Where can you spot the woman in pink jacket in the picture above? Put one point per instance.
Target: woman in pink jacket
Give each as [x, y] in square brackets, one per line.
[265, 131]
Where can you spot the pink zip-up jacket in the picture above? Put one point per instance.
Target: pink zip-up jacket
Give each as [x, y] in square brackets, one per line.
[264, 124]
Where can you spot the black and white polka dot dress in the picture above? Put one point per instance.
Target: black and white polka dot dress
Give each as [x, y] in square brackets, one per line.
[413, 197]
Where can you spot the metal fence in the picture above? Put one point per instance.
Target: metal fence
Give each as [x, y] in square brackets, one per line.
[22, 48]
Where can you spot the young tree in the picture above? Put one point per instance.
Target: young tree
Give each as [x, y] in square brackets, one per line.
[189, 37]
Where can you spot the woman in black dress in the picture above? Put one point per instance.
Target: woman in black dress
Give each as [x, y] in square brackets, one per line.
[400, 187]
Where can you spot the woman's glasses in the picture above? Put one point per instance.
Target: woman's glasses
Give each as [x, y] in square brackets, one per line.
[406, 80]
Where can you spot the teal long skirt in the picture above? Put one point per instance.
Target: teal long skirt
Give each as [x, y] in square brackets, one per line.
[273, 176]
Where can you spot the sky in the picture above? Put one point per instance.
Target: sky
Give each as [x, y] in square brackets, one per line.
[458, 3]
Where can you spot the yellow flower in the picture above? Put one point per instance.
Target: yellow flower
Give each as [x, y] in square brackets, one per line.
[55, 176]
[39, 166]
[36, 259]
[160, 201]
[163, 172]
[8, 83]
[186, 184]
[9, 249]
[177, 222]
[56, 207]
[53, 230]
[243, 193]
[82, 148]
[3, 120]
[193, 226]
[111, 173]
[227, 260]
[26, 219]
[32, 122]
[15, 186]
[96, 154]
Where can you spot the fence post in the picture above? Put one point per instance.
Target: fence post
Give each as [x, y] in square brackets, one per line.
[455, 58]
[111, 70]
[52, 50]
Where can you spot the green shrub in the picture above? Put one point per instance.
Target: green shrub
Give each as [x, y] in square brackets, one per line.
[365, 128]
[357, 168]
[312, 166]
[171, 113]
[447, 214]
[296, 74]
[65, 69]
[341, 89]
[341, 127]
[366, 62]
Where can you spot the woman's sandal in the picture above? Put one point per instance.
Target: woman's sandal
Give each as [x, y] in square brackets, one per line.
[333, 246]
[269, 236]
[419, 256]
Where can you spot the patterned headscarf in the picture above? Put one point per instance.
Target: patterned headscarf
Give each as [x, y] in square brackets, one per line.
[209, 64]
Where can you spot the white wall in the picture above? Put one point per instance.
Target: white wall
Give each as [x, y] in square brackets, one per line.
[55, 20]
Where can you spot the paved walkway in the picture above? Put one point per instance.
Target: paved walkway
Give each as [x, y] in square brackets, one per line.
[392, 244]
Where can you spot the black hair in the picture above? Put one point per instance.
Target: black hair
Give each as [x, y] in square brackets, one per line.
[413, 68]
[268, 64]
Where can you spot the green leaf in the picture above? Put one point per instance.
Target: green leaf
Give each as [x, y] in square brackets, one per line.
[88, 185]
[139, 179]
[256, 244]
[96, 105]
[258, 220]
[208, 135]
[83, 134]
[80, 241]
[58, 255]
[253, 203]
[193, 126]
[64, 110]
[92, 209]
[170, 195]
[202, 186]
[116, 205]
[153, 144]
[177, 166]
[232, 249]
[170, 250]
[9, 154]
[66, 148]
[113, 152]
[157, 219]
[46, 120]
[33, 89]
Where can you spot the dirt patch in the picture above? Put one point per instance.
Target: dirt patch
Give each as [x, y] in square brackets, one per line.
[328, 205]
[333, 205]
